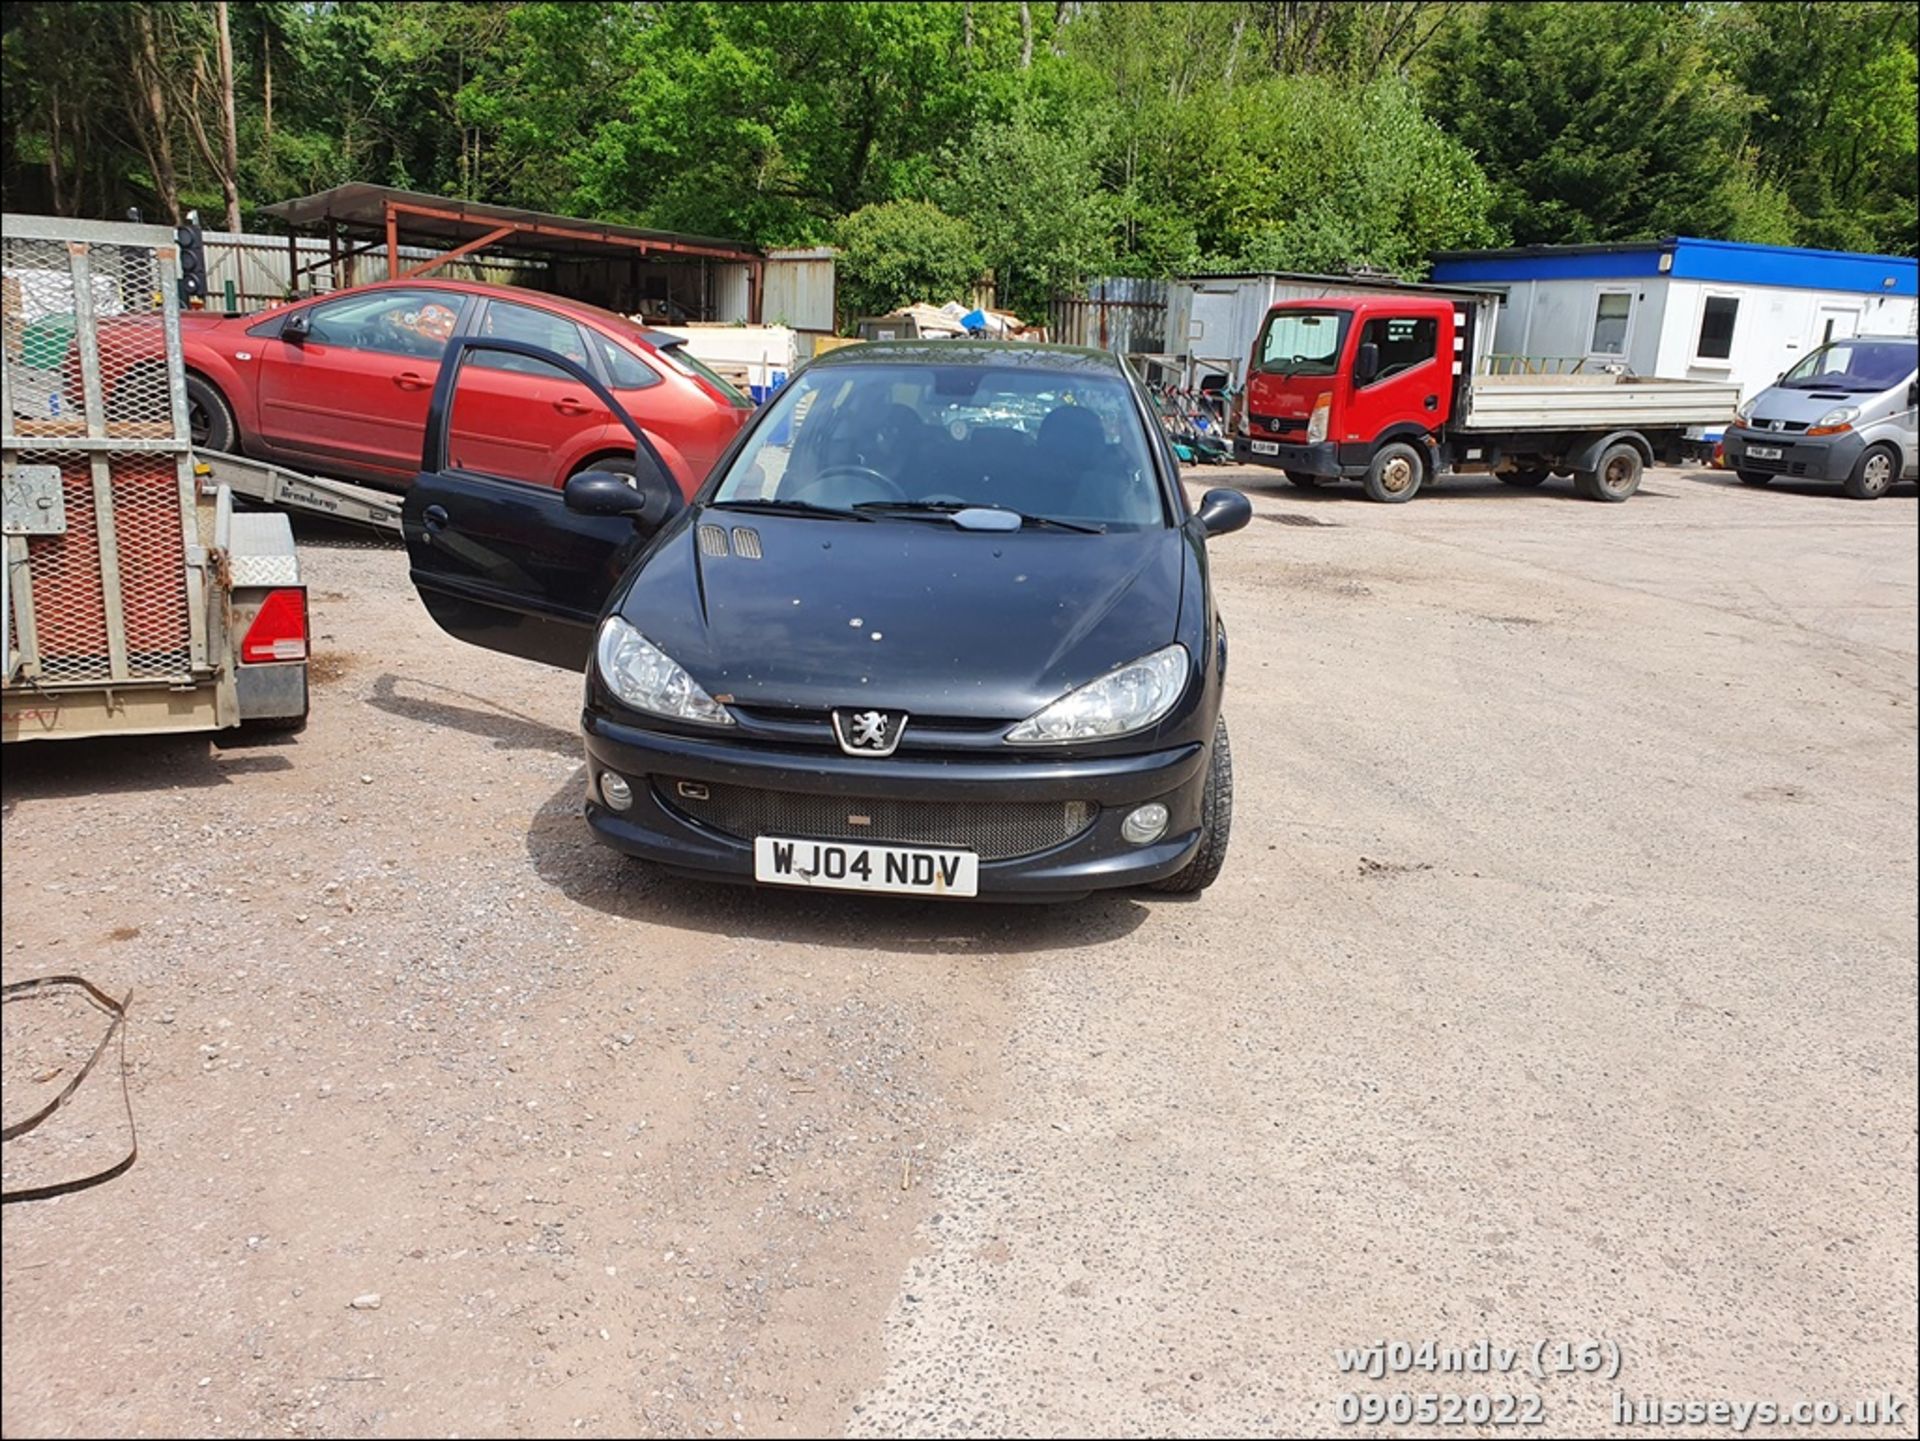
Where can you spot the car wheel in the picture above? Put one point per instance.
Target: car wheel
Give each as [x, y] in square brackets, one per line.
[1302, 479]
[1753, 477]
[1216, 823]
[1616, 477]
[209, 418]
[1872, 473]
[1396, 473]
[1524, 477]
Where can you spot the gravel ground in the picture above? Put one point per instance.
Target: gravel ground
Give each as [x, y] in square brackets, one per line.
[1561, 985]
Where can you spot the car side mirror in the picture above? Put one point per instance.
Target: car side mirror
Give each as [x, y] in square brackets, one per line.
[647, 499]
[296, 327]
[1224, 511]
[1366, 363]
[1913, 392]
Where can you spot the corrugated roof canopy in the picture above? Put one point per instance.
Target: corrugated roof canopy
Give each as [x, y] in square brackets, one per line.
[368, 210]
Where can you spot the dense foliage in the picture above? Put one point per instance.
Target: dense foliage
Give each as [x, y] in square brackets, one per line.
[1039, 143]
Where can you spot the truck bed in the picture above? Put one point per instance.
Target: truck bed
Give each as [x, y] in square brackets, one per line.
[1595, 402]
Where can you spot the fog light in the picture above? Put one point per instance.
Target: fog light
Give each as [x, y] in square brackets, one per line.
[615, 791]
[1147, 824]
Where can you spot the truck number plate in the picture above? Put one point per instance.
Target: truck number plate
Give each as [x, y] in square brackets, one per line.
[1266, 447]
[1764, 452]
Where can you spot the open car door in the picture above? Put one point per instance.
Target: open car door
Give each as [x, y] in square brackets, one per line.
[505, 564]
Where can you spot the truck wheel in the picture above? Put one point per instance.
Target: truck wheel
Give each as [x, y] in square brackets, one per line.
[1616, 477]
[1396, 473]
[1753, 477]
[1216, 823]
[1872, 473]
[1302, 479]
[209, 418]
[1524, 477]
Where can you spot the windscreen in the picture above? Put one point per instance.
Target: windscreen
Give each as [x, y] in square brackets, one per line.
[1301, 342]
[1060, 446]
[1855, 366]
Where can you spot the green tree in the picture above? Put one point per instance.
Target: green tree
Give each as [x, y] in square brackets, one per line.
[1594, 121]
[901, 251]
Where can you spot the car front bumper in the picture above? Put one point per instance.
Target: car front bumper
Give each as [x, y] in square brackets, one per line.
[1822, 457]
[657, 828]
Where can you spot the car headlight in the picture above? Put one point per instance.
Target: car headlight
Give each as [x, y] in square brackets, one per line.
[1840, 418]
[648, 679]
[1743, 412]
[1128, 699]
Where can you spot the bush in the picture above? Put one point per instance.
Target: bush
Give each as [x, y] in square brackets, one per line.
[903, 251]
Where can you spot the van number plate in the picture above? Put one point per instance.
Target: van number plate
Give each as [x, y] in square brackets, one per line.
[834, 865]
[1764, 452]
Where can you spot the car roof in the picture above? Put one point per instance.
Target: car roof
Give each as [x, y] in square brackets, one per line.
[1027, 355]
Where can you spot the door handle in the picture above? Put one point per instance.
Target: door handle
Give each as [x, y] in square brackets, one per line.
[568, 405]
[436, 517]
[1433, 402]
[411, 380]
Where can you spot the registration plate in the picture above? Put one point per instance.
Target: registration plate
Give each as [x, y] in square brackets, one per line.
[842, 866]
[1764, 452]
[1266, 447]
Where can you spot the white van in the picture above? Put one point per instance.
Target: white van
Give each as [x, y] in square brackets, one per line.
[1846, 412]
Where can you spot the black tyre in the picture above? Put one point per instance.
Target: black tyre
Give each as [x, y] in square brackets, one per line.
[1753, 477]
[1615, 477]
[1216, 823]
[618, 465]
[209, 418]
[1524, 477]
[1302, 479]
[1396, 473]
[262, 731]
[1873, 473]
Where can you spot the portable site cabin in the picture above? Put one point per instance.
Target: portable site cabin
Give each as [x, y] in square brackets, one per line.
[1682, 308]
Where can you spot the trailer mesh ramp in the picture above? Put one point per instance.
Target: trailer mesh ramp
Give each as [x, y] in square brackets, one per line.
[100, 587]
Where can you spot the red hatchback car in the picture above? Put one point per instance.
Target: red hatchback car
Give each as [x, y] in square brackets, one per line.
[341, 383]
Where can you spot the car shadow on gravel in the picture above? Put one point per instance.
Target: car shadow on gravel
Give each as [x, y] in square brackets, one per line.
[567, 857]
[509, 730]
[118, 764]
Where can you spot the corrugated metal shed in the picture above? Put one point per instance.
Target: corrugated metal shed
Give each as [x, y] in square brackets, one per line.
[801, 289]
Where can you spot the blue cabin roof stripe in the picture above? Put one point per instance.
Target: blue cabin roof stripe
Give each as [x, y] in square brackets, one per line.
[1727, 261]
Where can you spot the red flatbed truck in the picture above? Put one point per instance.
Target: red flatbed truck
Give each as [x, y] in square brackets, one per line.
[1383, 389]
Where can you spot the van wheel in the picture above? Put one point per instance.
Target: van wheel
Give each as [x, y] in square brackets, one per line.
[1753, 477]
[1872, 473]
[1524, 477]
[1396, 473]
[209, 418]
[1302, 479]
[1616, 477]
[1216, 823]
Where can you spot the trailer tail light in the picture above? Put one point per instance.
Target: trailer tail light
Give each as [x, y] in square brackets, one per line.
[279, 630]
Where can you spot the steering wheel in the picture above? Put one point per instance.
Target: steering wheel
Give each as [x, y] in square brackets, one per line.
[873, 480]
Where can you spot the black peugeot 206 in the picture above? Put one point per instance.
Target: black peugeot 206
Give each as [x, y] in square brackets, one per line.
[939, 623]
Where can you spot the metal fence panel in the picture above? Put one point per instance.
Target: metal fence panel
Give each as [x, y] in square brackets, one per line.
[1120, 313]
[95, 405]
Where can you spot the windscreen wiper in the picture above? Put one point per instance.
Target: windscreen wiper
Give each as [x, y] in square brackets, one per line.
[950, 509]
[778, 506]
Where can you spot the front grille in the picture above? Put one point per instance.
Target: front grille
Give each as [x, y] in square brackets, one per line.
[1278, 425]
[1768, 427]
[994, 830]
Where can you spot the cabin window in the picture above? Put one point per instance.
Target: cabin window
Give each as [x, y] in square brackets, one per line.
[1716, 328]
[1611, 315]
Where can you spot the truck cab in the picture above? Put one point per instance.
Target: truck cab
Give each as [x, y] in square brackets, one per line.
[1331, 380]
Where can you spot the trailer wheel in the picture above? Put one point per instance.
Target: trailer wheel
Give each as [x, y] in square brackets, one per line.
[209, 418]
[1524, 477]
[1873, 473]
[1753, 477]
[1302, 479]
[1396, 473]
[1616, 477]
